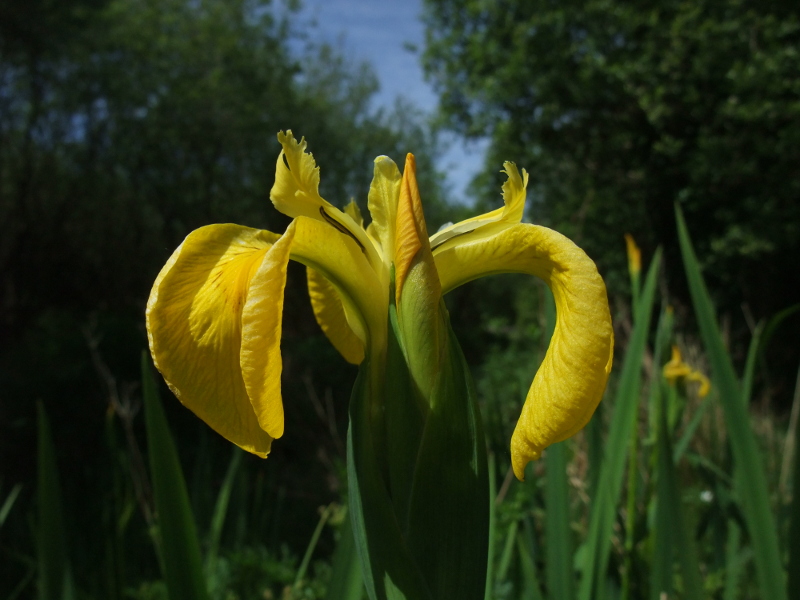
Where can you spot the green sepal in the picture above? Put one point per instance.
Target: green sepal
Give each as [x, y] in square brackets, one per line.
[418, 479]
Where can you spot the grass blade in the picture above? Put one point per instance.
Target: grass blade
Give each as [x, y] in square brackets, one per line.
[55, 579]
[530, 582]
[733, 563]
[775, 321]
[750, 364]
[672, 535]
[8, 504]
[601, 523]
[487, 594]
[794, 525]
[749, 464]
[508, 552]
[347, 582]
[560, 577]
[180, 549]
[312, 544]
[220, 511]
[790, 444]
[688, 432]
[559, 572]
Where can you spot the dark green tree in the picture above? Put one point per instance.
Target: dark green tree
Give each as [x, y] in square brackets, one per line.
[619, 109]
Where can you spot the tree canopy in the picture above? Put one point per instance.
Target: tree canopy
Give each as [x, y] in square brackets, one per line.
[126, 124]
[621, 109]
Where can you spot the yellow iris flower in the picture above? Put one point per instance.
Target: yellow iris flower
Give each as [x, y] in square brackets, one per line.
[676, 369]
[215, 309]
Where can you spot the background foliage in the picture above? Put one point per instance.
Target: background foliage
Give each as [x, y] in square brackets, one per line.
[125, 124]
[620, 109]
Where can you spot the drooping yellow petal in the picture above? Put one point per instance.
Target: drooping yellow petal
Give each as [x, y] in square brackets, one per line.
[194, 327]
[572, 377]
[260, 354]
[510, 213]
[329, 310]
[705, 384]
[344, 264]
[330, 315]
[384, 193]
[296, 193]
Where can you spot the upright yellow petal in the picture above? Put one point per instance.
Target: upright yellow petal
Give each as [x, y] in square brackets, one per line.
[260, 354]
[510, 213]
[296, 193]
[676, 368]
[572, 377]
[329, 312]
[384, 193]
[296, 189]
[634, 255]
[354, 213]
[195, 332]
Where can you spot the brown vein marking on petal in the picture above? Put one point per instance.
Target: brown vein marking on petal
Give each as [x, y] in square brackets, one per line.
[338, 226]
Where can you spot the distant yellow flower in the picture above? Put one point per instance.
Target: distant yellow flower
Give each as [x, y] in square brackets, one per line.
[676, 369]
[634, 255]
[214, 313]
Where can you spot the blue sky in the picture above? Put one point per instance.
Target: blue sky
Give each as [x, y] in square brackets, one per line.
[378, 32]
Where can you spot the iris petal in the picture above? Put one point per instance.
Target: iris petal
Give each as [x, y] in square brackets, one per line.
[329, 310]
[330, 315]
[194, 327]
[296, 189]
[384, 193]
[296, 193]
[511, 212]
[411, 233]
[572, 377]
[260, 354]
[343, 262]
[676, 368]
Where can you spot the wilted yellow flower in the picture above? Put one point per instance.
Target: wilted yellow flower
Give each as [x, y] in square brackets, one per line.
[214, 313]
[676, 369]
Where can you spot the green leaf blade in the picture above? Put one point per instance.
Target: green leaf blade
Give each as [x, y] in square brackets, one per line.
[559, 575]
[753, 490]
[347, 583]
[54, 574]
[180, 547]
[601, 522]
